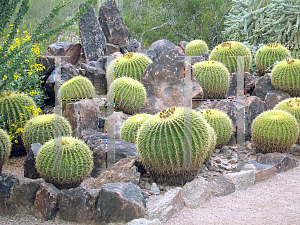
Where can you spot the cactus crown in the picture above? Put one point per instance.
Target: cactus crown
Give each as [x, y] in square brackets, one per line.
[128, 55]
[226, 45]
[289, 61]
[167, 113]
[273, 46]
[293, 103]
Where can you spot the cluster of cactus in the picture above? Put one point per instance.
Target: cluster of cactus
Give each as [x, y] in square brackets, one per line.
[129, 128]
[129, 94]
[66, 167]
[213, 77]
[78, 87]
[16, 108]
[130, 65]
[173, 147]
[292, 106]
[267, 55]
[285, 76]
[277, 22]
[221, 123]
[5, 148]
[195, 48]
[40, 129]
[227, 53]
[274, 131]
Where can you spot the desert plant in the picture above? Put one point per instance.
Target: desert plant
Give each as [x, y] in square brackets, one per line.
[226, 53]
[195, 48]
[130, 65]
[285, 76]
[130, 127]
[5, 148]
[16, 108]
[274, 131]
[66, 167]
[292, 106]
[268, 54]
[213, 77]
[78, 87]
[130, 95]
[40, 129]
[221, 123]
[173, 147]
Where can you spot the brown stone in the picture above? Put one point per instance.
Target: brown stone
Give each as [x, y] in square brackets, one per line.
[262, 174]
[116, 120]
[122, 171]
[46, 202]
[111, 48]
[221, 186]
[66, 49]
[272, 99]
[6, 183]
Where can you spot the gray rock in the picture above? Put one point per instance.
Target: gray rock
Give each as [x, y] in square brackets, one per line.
[155, 189]
[243, 179]
[221, 186]
[23, 194]
[282, 162]
[66, 49]
[272, 99]
[119, 203]
[30, 170]
[143, 221]
[134, 46]
[113, 26]
[183, 44]
[91, 35]
[6, 183]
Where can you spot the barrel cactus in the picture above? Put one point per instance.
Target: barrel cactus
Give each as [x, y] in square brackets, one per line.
[213, 77]
[66, 167]
[78, 87]
[130, 95]
[285, 76]
[221, 123]
[16, 108]
[196, 47]
[292, 106]
[5, 148]
[40, 129]
[161, 145]
[274, 131]
[268, 54]
[130, 65]
[226, 52]
[130, 127]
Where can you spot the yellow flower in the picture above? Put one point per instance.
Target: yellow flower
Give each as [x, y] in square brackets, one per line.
[5, 77]
[16, 141]
[8, 62]
[11, 25]
[29, 73]
[13, 125]
[11, 83]
[16, 77]
[39, 110]
[25, 32]
[26, 60]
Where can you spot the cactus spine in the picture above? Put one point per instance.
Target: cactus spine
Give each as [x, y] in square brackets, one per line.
[5, 148]
[196, 47]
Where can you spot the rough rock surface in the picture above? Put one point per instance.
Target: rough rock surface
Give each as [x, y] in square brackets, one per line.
[66, 49]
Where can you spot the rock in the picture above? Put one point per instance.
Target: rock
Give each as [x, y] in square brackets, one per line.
[46, 202]
[295, 150]
[119, 203]
[148, 110]
[23, 194]
[263, 86]
[282, 162]
[165, 206]
[91, 35]
[76, 205]
[6, 183]
[83, 115]
[97, 77]
[183, 44]
[93, 139]
[68, 71]
[143, 221]
[206, 55]
[221, 186]
[134, 46]
[272, 99]
[195, 193]
[66, 49]
[116, 120]
[243, 179]
[164, 78]
[113, 26]
[253, 107]
[122, 171]
[111, 49]
[262, 171]
[49, 64]
[155, 189]
[249, 83]
[30, 170]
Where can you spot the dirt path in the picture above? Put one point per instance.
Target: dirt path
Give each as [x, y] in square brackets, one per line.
[271, 202]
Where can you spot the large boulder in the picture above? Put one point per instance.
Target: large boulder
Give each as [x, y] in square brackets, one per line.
[164, 78]
[6, 183]
[113, 26]
[66, 49]
[91, 35]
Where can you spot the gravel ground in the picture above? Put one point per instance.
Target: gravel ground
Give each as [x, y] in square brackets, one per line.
[270, 202]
